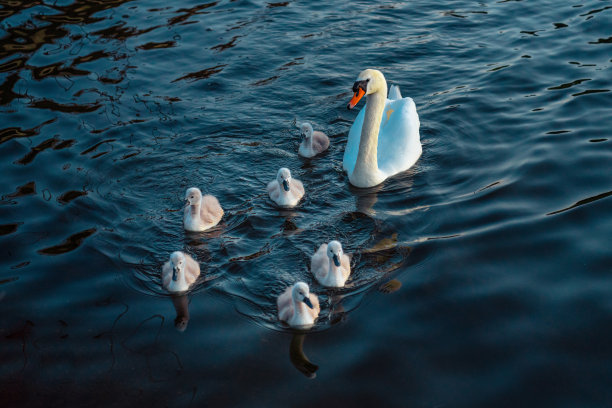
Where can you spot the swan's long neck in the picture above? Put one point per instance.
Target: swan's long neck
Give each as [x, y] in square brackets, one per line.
[367, 162]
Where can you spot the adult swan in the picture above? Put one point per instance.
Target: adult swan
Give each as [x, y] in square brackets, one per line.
[384, 139]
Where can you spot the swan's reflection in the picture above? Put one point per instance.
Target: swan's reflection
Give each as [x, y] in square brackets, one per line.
[365, 198]
[299, 359]
[181, 306]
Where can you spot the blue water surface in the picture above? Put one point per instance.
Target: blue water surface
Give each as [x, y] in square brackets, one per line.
[482, 277]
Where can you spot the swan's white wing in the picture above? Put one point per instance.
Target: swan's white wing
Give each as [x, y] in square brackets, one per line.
[192, 269]
[319, 262]
[399, 143]
[285, 307]
[297, 187]
[210, 209]
[316, 308]
[394, 93]
[320, 141]
[273, 190]
[352, 144]
[345, 261]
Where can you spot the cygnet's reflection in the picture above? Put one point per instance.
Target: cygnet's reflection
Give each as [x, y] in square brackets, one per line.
[181, 306]
[299, 359]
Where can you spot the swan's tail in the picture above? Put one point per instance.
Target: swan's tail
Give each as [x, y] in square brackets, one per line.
[394, 93]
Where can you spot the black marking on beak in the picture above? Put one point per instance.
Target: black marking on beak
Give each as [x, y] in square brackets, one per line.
[286, 185]
[187, 201]
[308, 303]
[336, 260]
[361, 84]
[175, 274]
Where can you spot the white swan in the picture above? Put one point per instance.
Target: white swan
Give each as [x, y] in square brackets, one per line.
[179, 272]
[297, 306]
[201, 212]
[285, 190]
[330, 265]
[384, 139]
[314, 142]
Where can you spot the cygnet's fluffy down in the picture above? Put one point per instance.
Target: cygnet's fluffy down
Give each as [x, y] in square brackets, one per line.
[201, 212]
[180, 272]
[330, 265]
[314, 141]
[297, 306]
[285, 191]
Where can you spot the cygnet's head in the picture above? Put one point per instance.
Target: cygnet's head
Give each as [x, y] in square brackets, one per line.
[334, 252]
[193, 196]
[177, 259]
[284, 177]
[368, 82]
[306, 130]
[301, 293]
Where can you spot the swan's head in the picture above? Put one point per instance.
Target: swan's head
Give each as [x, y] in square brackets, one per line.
[177, 259]
[301, 293]
[306, 130]
[284, 177]
[368, 82]
[334, 252]
[193, 196]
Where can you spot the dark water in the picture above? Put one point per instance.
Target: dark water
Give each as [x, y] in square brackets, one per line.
[495, 247]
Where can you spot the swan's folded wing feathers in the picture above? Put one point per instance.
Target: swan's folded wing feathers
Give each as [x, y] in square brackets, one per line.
[192, 270]
[210, 210]
[298, 186]
[316, 308]
[345, 263]
[283, 303]
[321, 141]
[319, 262]
[394, 93]
[398, 141]
[273, 189]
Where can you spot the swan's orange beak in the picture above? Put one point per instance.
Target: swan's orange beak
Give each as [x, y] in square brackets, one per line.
[356, 97]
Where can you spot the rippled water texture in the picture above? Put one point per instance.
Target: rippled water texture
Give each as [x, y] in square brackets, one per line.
[481, 277]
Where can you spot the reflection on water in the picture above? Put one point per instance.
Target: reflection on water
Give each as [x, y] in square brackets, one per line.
[299, 359]
[181, 305]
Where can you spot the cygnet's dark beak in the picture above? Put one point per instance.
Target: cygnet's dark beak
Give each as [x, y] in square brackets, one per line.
[308, 303]
[286, 185]
[336, 260]
[186, 202]
[175, 273]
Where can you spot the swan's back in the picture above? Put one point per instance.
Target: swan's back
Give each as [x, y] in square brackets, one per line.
[285, 305]
[319, 263]
[210, 209]
[320, 141]
[399, 142]
[394, 93]
[192, 269]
